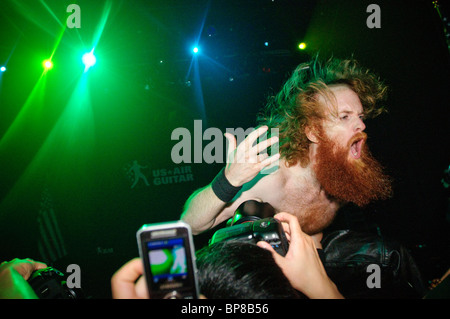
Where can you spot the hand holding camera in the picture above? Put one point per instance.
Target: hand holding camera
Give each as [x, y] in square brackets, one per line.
[128, 282]
[13, 278]
[302, 264]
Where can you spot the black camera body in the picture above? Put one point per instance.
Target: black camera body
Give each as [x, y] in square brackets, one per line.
[50, 283]
[253, 231]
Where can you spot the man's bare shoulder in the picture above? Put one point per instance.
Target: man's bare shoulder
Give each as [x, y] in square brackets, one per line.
[267, 185]
[280, 183]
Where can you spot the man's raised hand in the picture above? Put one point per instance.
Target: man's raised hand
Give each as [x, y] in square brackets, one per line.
[246, 160]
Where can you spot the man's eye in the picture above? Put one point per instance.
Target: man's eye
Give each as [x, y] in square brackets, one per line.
[344, 117]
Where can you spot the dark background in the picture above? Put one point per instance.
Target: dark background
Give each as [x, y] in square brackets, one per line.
[74, 162]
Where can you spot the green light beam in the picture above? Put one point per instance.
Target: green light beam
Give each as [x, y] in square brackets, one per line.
[102, 23]
[70, 144]
[30, 111]
[51, 13]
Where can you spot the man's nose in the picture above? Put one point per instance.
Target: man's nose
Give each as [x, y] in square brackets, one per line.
[359, 125]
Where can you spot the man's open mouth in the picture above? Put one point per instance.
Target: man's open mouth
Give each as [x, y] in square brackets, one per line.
[356, 147]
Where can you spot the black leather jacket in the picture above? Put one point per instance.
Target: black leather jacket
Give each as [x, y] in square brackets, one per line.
[347, 254]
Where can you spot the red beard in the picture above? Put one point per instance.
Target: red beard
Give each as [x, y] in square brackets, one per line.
[359, 181]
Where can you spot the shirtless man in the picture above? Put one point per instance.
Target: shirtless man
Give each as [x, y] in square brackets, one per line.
[324, 161]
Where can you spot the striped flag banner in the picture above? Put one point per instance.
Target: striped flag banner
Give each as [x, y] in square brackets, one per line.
[50, 244]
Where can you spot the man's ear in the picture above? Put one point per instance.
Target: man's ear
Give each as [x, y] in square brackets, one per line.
[312, 134]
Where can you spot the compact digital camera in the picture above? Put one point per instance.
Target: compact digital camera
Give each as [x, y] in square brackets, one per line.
[168, 254]
[253, 230]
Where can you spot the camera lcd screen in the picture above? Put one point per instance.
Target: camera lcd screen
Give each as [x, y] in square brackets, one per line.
[168, 263]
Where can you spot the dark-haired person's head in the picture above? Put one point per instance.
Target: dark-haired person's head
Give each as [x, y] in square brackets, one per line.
[240, 270]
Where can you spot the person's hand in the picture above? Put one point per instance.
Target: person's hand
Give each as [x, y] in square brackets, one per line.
[25, 267]
[13, 278]
[128, 282]
[245, 161]
[302, 264]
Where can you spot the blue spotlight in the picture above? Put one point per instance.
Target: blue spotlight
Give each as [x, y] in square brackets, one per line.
[3, 68]
[195, 50]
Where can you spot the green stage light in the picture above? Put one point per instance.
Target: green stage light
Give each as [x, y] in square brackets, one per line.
[48, 64]
[302, 46]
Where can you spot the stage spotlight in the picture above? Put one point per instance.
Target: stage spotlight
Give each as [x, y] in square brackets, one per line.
[302, 46]
[89, 60]
[195, 50]
[48, 64]
[3, 69]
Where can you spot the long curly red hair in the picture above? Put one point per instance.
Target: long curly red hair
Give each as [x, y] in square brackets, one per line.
[297, 106]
